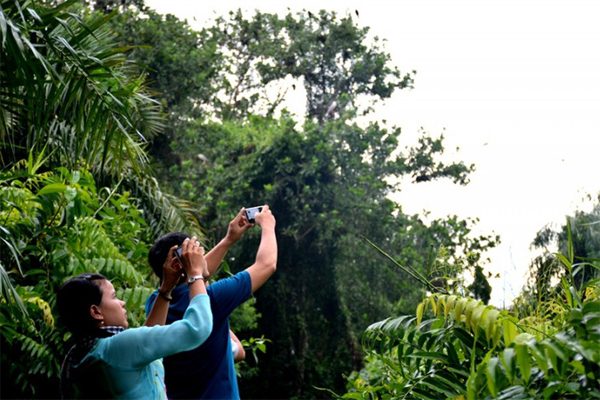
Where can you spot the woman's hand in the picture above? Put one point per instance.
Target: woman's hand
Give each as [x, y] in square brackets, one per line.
[193, 257]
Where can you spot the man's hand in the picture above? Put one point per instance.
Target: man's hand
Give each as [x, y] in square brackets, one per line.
[172, 272]
[265, 218]
[237, 227]
[266, 256]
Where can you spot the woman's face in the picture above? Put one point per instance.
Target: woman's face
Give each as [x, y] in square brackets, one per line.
[112, 309]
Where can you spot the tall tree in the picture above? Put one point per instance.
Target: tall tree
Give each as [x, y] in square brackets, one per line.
[327, 183]
[326, 194]
[180, 66]
[332, 57]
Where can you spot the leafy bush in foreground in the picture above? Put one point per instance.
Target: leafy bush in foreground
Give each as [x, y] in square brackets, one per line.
[468, 350]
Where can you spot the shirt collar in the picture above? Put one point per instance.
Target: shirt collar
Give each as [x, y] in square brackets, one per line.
[112, 330]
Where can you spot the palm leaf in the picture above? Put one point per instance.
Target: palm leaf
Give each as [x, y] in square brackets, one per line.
[7, 290]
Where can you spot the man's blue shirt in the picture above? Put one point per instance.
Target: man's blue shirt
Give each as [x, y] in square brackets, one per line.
[206, 372]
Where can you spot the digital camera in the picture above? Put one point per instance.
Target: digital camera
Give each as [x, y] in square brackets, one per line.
[251, 213]
[179, 252]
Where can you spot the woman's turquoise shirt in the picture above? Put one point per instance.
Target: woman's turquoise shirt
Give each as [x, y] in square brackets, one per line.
[131, 360]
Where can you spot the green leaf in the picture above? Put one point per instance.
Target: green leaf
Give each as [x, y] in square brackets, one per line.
[438, 386]
[523, 361]
[3, 28]
[452, 354]
[490, 373]
[540, 358]
[472, 386]
[476, 322]
[432, 355]
[489, 322]
[16, 36]
[570, 250]
[554, 354]
[507, 359]
[465, 337]
[34, 14]
[591, 307]
[567, 291]
[52, 188]
[419, 312]
[450, 381]
[510, 330]
[353, 395]
[449, 304]
[513, 393]
[470, 307]
[458, 309]
[434, 305]
[564, 260]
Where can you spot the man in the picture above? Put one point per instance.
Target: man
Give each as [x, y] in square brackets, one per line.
[208, 372]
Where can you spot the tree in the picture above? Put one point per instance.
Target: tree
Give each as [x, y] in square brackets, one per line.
[480, 288]
[107, 6]
[326, 195]
[327, 182]
[76, 190]
[180, 66]
[62, 225]
[578, 239]
[337, 65]
[332, 57]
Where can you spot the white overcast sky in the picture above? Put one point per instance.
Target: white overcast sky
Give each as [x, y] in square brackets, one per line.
[514, 84]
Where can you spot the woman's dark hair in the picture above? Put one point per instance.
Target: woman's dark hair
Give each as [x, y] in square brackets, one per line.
[160, 249]
[74, 299]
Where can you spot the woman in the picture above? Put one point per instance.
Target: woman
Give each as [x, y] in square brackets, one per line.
[108, 361]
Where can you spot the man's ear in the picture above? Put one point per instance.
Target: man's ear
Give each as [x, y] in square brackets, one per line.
[96, 313]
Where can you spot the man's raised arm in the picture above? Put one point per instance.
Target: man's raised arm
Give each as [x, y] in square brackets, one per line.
[266, 257]
[235, 230]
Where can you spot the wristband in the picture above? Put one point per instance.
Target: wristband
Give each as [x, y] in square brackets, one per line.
[165, 295]
[194, 278]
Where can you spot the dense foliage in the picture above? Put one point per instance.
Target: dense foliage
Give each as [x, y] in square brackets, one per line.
[327, 179]
[579, 235]
[230, 143]
[76, 192]
[471, 351]
[82, 122]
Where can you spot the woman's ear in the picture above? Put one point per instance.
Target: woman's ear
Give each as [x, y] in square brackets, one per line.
[96, 313]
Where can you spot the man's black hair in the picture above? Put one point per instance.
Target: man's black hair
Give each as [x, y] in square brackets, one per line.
[74, 299]
[160, 249]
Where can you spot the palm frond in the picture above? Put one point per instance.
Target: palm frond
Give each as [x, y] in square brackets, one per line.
[72, 82]
[7, 290]
[165, 212]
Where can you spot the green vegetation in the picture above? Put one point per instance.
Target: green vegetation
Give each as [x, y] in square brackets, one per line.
[76, 191]
[327, 179]
[468, 350]
[120, 124]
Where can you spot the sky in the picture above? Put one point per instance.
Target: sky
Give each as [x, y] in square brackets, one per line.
[514, 85]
